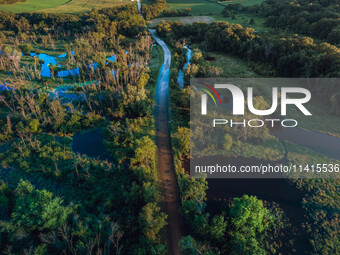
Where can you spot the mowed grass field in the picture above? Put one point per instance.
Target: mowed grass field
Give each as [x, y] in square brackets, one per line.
[79, 6]
[185, 20]
[243, 2]
[62, 6]
[32, 5]
[198, 7]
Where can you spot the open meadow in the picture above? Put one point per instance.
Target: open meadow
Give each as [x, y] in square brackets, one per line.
[214, 10]
[185, 20]
[61, 6]
[198, 7]
[32, 5]
[243, 2]
[246, 20]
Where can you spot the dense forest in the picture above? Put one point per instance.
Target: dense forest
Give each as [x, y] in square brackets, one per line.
[319, 19]
[153, 8]
[110, 22]
[292, 56]
[53, 200]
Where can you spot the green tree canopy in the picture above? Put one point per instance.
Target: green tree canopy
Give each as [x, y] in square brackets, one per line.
[38, 209]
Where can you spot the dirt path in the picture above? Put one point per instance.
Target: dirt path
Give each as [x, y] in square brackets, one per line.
[165, 158]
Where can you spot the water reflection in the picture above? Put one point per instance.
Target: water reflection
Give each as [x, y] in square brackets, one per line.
[48, 60]
[317, 141]
[91, 144]
[180, 77]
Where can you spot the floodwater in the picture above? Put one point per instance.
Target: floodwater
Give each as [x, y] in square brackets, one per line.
[319, 142]
[325, 144]
[276, 190]
[166, 168]
[180, 77]
[273, 190]
[91, 144]
[50, 60]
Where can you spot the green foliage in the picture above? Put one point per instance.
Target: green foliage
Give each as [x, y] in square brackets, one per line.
[319, 19]
[154, 9]
[122, 20]
[249, 220]
[218, 227]
[4, 199]
[228, 142]
[39, 113]
[306, 55]
[42, 153]
[181, 141]
[145, 153]
[25, 49]
[34, 125]
[322, 207]
[192, 188]
[189, 246]
[121, 137]
[176, 13]
[117, 205]
[248, 215]
[152, 221]
[38, 209]
[41, 250]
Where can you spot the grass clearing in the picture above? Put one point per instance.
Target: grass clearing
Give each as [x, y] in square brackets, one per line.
[185, 20]
[79, 6]
[32, 5]
[198, 7]
[231, 66]
[62, 6]
[244, 20]
[243, 2]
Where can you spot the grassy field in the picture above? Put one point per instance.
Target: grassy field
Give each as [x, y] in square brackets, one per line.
[32, 5]
[203, 7]
[231, 66]
[198, 7]
[184, 20]
[61, 6]
[243, 2]
[244, 20]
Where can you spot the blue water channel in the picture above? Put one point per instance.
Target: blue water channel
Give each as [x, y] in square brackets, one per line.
[50, 60]
[180, 77]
